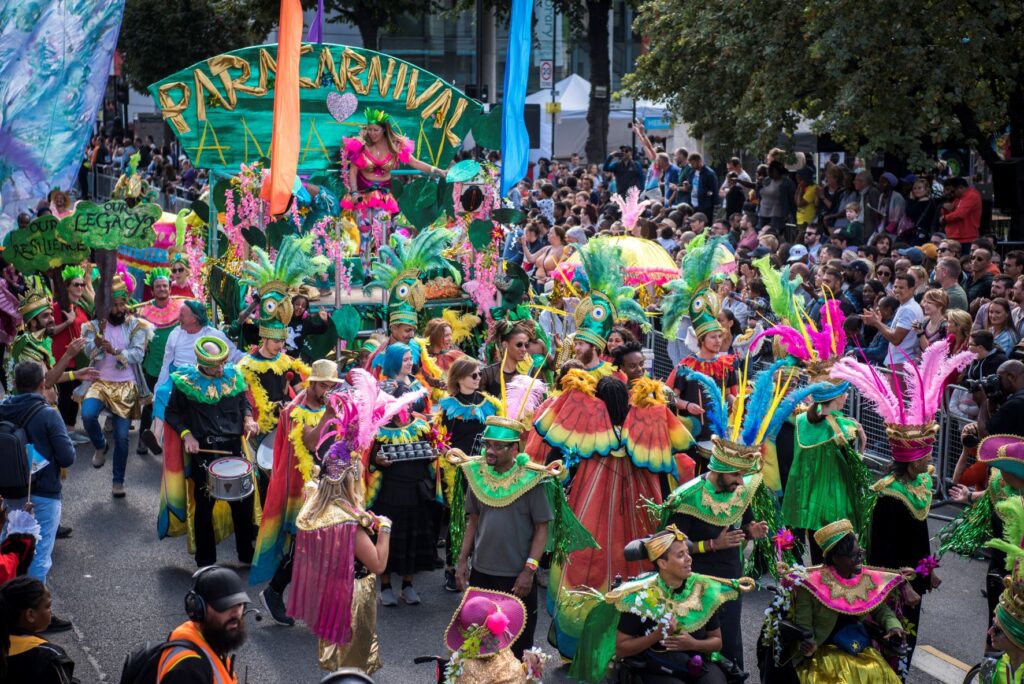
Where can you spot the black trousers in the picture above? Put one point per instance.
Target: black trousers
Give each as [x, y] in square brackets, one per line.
[283, 575]
[66, 403]
[729, 616]
[146, 421]
[241, 514]
[525, 640]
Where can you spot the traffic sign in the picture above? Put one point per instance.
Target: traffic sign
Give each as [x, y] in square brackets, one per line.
[547, 74]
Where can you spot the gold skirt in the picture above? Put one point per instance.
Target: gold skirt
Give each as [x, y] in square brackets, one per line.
[363, 651]
[120, 397]
[830, 665]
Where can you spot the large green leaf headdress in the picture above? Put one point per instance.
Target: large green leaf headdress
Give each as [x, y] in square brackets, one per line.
[400, 266]
[609, 299]
[275, 279]
[692, 294]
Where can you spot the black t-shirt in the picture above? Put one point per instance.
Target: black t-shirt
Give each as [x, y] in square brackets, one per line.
[727, 563]
[44, 664]
[1009, 419]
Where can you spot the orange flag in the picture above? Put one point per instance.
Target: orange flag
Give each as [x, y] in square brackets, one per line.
[284, 142]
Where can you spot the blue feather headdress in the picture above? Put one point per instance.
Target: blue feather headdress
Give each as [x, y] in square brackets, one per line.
[756, 416]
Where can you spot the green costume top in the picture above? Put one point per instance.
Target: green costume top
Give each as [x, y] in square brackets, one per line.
[650, 598]
[164, 320]
[827, 481]
[916, 495]
[200, 387]
[699, 499]
[1004, 673]
[969, 530]
[498, 490]
[30, 346]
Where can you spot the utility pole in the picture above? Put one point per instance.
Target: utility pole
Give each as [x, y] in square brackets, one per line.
[554, 72]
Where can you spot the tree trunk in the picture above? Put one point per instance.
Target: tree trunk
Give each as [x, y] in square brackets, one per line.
[600, 77]
[369, 31]
[106, 260]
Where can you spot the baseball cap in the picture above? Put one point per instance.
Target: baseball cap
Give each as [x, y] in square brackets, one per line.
[915, 255]
[859, 265]
[930, 249]
[760, 252]
[796, 253]
[221, 588]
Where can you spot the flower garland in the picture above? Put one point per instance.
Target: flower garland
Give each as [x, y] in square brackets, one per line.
[481, 288]
[303, 418]
[195, 252]
[780, 608]
[250, 366]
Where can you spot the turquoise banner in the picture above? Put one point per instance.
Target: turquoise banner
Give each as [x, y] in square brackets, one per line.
[221, 109]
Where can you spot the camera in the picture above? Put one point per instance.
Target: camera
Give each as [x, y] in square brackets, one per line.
[989, 384]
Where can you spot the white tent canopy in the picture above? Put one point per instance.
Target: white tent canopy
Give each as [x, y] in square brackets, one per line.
[571, 124]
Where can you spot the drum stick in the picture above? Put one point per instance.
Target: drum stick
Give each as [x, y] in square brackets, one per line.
[216, 451]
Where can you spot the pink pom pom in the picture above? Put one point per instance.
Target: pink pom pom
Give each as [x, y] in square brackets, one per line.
[348, 205]
[354, 152]
[390, 205]
[497, 623]
[374, 201]
[405, 154]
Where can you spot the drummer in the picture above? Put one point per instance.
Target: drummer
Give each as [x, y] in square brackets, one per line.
[209, 410]
[293, 457]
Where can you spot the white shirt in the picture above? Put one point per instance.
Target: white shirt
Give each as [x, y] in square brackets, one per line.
[181, 349]
[905, 316]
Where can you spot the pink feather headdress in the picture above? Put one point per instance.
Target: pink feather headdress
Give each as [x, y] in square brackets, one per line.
[908, 407]
[809, 344]
[631, 207]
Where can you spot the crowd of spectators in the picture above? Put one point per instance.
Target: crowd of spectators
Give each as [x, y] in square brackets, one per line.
[157, 163]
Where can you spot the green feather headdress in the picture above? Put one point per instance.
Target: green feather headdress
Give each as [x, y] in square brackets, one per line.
[274, 279]
[781, 291]
[609, 298]
[375, 117]
[691, 291]
[409, 258]
[158, 273]
[72, 272]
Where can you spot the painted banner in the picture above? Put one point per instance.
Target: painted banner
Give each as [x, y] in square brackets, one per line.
[38, 247]
[221, 109]
[54, 60]
[111, 225]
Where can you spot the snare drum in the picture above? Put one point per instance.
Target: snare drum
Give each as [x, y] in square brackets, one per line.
[265, 452]
[704, 449]
[230, 478]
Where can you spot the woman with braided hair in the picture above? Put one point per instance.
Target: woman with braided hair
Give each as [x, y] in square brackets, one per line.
[25, 611]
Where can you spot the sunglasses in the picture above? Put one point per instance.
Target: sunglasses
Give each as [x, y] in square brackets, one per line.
[884, 273]
[177, 270]
[77, 284]
[944, 249]
[475, 375]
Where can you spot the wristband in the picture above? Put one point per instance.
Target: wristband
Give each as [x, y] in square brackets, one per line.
[71, 375]
[532, 564]
[700, 547]
[185, 433]
[384, 529]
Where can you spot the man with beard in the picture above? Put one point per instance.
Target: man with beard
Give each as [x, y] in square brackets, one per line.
[117, 347]
[215, 606]
[296, 439]
[33, 343]
[713, 511]
[587, 353]
[854, 274]
[163, 312]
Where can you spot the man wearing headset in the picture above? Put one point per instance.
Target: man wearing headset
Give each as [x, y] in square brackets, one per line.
[215, 606]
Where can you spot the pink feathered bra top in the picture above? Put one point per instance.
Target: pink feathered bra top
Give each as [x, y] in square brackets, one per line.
[357, 155]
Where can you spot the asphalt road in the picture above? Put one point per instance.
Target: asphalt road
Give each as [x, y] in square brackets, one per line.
[121, 585]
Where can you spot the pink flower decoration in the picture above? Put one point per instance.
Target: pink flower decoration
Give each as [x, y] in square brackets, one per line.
[926, 565]
[497, 622]
[784, 540]
[348, 205]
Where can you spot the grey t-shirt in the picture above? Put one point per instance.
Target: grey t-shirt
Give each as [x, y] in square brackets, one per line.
[503, 535]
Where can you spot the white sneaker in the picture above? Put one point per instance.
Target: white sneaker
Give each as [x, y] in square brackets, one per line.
[387, 598]
[410, 597]
[99, 457]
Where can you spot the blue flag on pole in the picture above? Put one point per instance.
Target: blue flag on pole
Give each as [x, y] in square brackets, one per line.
[515, 141]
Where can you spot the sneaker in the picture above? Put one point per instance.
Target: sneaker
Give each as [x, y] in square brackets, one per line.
[77, 438]
[99, 457]
[387, 597]
[117, 490]
[409, 596]
[141, 450]
[274, 604]
[449, 581]
[63, 532]
[57, 625]
[152, 443]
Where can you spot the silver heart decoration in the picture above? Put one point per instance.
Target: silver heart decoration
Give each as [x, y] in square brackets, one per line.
[341, 106]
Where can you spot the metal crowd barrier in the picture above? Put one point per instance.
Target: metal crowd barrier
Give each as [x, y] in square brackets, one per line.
[102, 180]
[877, 453]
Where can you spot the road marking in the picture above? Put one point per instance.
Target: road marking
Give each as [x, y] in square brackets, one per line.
[942, 666]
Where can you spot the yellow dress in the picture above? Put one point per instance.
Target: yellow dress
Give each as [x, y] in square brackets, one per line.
[830, 665]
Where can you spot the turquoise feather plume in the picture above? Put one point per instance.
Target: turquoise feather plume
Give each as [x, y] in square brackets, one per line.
[716, 411]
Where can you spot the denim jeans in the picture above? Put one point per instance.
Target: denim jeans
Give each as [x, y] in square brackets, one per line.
[91, 409]
[47, 513]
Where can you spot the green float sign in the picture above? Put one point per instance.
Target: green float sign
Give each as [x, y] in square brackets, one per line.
[38, 247]
[222, 109]
[111, 225]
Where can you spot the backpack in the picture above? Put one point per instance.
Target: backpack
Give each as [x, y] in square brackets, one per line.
[141, 663]
[15, 472]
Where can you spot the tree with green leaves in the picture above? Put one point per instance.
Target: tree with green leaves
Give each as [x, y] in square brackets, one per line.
[878, 77]
[373, 16]
[160, 37]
